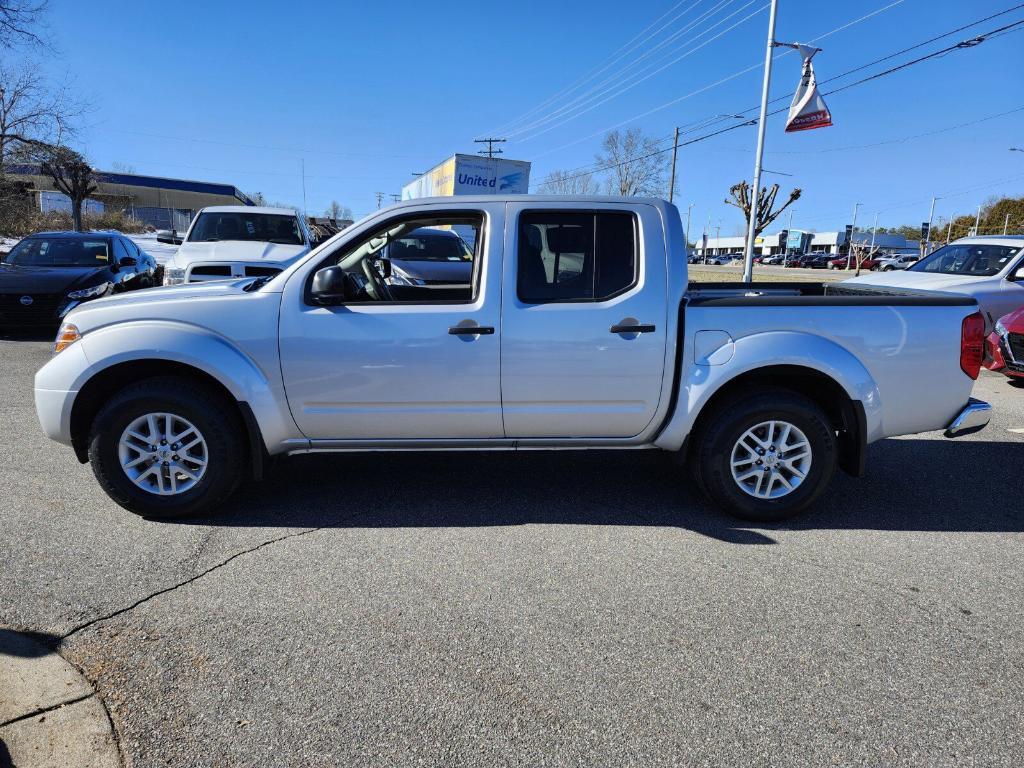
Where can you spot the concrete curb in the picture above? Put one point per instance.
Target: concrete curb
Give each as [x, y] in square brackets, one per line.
[49, 714]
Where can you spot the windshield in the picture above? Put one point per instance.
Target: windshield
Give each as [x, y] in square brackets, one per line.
[967, 259]
[211, 227]
[424, 245]
[59, 252]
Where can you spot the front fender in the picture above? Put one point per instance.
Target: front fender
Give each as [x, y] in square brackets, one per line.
[700, 382]
[250, 378]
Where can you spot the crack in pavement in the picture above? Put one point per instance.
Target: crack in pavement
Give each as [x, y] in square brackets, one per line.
[44, 710]
[186, 582]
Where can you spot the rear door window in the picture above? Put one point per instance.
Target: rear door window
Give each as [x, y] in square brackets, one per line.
[570, 256]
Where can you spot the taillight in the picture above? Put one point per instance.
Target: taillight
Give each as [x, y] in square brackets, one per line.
[972, 344]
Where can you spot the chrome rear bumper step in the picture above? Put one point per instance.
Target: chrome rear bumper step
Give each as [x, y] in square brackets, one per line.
[975, 416]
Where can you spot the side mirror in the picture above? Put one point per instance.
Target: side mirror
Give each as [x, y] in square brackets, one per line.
[168, 236]
[127, 261]
[383, 267]
[329, 285]
[1018, 275]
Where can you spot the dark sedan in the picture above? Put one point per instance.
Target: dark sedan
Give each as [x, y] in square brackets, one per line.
[46, 275]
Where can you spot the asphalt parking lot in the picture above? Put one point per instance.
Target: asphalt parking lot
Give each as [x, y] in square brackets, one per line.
[535, 609]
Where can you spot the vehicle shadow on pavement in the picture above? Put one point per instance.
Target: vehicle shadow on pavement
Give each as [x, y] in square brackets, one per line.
[912, 485]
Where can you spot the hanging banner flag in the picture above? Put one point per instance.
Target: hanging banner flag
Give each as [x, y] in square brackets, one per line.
[808, 110]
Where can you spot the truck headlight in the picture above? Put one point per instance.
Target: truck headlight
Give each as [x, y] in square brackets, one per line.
[1000, 328]
[91, 293]
[174, 276]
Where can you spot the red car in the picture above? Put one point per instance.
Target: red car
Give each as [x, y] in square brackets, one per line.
[1005, 346]
[865, 264]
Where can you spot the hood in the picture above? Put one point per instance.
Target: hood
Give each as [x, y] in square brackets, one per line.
[1014, 321]
[924, 281]
[169, 293]
[238, 250]
[448, 271]
[31, 279]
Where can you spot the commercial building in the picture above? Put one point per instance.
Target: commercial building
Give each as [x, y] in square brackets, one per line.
[161, 202]
[798, 243]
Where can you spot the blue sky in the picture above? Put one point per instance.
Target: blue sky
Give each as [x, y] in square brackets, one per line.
[367, 93]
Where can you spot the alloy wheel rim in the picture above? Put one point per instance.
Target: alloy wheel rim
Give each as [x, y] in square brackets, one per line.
[771, 460]
[163, 454]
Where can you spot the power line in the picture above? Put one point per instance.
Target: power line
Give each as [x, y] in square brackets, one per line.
[583, 109]
[618, 54]
[787, 52]
[963, 45]
[610, 82]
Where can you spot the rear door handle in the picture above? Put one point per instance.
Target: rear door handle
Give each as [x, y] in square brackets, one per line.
[471, 330]
[632, 329]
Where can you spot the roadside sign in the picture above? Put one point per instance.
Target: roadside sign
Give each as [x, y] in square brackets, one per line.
[925, 230]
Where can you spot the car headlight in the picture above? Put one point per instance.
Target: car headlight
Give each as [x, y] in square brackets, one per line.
[91, 293]
[1000, 328]
[67, 335]
[400, 278]
[174, 275]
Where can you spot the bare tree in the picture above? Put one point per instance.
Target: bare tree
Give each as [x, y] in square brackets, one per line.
[740, 197]
[635, 164]
[258, 198]
[336, 211]
[565, 183]
[32, 115]
[21, 21]
[73, 176]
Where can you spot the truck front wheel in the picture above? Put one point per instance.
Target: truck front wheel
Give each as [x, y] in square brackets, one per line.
[167, 447]
[765, 456]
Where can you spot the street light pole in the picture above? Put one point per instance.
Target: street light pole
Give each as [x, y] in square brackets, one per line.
[977, 222]
[931, 213]
[689, 209]
[748, 250]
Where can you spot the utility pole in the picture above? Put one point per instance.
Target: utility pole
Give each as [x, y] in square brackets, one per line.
[977, 222]
[380, 198]
[949, 228]
[1006, 224]
[755, 193]
[395, 197]
[675, 153]
[490, 151]
[853, 231]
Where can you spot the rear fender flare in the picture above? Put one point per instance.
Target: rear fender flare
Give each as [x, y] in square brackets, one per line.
[762, 350]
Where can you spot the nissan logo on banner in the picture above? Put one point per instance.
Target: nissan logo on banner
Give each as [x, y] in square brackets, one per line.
[25, 301]
[808, 110]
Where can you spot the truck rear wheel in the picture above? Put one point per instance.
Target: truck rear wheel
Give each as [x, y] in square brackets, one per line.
[167, 447]
[765, 456]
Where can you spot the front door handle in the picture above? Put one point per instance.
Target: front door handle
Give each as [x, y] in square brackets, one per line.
[632, 329]
[471, 330]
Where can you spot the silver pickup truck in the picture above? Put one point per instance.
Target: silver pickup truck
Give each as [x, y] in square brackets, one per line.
[575, 328]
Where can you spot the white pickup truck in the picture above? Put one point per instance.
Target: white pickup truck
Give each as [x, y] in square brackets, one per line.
[231, 241]
[574, 329]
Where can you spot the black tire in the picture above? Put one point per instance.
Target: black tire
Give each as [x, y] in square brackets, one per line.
[211, 414]
[711, 452]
